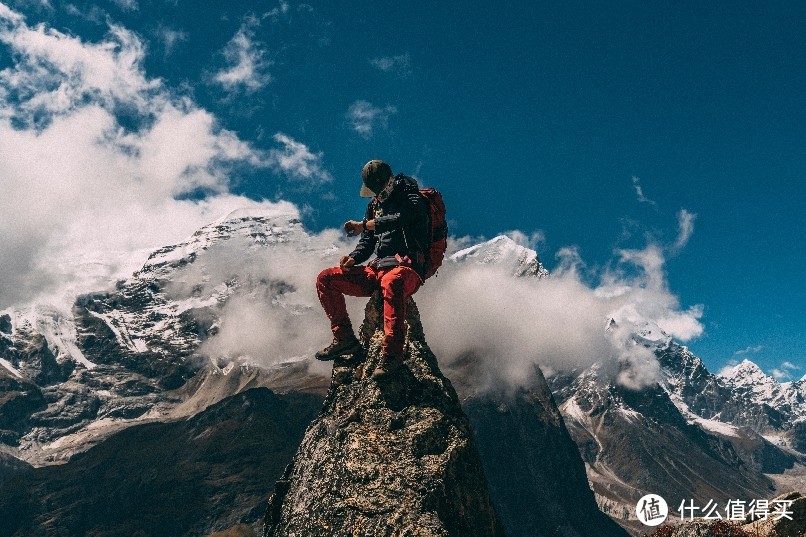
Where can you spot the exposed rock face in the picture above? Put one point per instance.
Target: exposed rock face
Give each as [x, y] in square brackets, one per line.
[636, 442]
[131, 354]
[396, 458]
[184, 477]
[537, 478]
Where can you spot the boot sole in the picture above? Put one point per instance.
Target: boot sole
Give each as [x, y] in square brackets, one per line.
[347, 352]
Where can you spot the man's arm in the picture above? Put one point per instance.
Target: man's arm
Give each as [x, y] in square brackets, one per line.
[366, 245]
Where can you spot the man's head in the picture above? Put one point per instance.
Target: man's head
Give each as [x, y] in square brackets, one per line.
[375, 175]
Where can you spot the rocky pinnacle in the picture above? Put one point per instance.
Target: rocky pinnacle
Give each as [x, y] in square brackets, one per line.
[396, 458]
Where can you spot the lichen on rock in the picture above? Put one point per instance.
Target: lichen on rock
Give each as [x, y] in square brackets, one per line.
[392, 458]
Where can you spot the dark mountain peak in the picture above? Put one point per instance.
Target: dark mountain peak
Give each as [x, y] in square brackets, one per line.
[386, 458]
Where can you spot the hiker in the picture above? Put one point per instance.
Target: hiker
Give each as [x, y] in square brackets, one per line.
[396, 228]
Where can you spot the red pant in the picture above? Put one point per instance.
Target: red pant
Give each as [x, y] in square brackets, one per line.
[396, 283]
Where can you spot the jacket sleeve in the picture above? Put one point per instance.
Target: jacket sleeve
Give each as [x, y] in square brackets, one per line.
[366, 244]
[413, 209]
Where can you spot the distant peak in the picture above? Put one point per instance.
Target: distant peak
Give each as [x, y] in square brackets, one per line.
[499, 243]
[503, 238]
[273, 211]
[503, 251]
[745, 369]
[747, 365]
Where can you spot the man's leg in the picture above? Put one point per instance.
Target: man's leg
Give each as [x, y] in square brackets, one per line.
[331, 286]
[397, 285]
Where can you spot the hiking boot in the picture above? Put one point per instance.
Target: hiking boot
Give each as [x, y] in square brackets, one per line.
[339, 348]
[387, 367]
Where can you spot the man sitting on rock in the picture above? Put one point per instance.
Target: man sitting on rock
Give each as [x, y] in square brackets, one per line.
[395, 228]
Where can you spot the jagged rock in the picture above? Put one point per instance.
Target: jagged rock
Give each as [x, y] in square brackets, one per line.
[396, 458]
[536, 475]
[19, 399]
[186, 477]
[5, 323]
[29, 352]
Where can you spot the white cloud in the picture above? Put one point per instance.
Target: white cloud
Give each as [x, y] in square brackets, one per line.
[7, 14]
[753, 349]
[83, 198]
[685, 227]
[56, 73]
[297, 161]
[282, 9]
[399, 64]
[365, 118]
[557, 322]
[127, 5]
[247, 63]
[785, 372]
[170, 38]
[276, 292]
[511, 324]
[533, 241]
[780, 375]
[639, 191]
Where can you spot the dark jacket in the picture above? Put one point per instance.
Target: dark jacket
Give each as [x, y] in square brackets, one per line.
[401, 228]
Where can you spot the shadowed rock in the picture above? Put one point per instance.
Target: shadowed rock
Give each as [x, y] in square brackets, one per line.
[536, 475]
[396, 458]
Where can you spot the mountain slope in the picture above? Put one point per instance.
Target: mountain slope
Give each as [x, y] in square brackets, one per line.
[129, 355]
[186, 477]
[392, 458]
[537, 478]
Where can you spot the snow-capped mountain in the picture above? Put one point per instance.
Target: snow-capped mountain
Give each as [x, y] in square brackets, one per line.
[505, 252]
[693, 434]
[136, 353]
[746, 379]
[141, 369]
[690, 435]
[131, 354]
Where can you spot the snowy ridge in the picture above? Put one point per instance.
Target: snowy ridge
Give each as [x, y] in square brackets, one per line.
[750, 382]
[503, 251]
[748, 375]
[57, 327]
[129, 353]
[262, 228]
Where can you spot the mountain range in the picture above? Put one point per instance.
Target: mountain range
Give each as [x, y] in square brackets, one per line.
[168, 353]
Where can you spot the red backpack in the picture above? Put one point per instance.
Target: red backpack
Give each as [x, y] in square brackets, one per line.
[437, 229]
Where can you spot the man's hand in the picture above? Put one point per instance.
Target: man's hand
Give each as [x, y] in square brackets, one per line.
[346, 261]
[353, 228]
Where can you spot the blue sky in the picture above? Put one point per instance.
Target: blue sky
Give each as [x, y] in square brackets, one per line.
[586, 124]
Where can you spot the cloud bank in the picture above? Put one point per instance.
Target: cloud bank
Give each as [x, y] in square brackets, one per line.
[100, 163]
[560, 323]
[508, 324]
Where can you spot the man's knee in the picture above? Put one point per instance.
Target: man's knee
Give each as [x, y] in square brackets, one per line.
[399, 284]
[324, 279]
